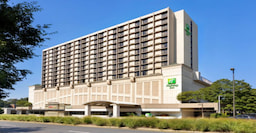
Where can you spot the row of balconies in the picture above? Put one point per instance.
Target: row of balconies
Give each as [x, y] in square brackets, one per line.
[148, 26]
[101, 76]
[147, 20]
[93, 60]
[134, 24]
[157, 29]
[77, 77]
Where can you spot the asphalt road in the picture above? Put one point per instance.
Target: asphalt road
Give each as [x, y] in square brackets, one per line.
[24, 127]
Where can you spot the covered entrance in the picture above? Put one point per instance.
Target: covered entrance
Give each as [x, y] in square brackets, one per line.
[113, 108]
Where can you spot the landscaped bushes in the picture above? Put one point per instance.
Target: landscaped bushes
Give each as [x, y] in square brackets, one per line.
[191, 124]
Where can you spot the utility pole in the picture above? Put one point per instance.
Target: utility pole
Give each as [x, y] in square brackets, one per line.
[234, 108]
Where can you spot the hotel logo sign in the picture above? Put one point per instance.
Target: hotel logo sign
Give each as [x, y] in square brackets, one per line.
[172, 83]
[187, 29]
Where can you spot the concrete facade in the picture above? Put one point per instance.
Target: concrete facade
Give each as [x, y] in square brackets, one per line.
[129, 67]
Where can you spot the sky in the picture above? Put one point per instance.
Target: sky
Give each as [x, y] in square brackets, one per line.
[226, 32]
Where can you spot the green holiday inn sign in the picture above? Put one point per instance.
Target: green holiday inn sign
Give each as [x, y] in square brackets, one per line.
[172, 83]
[187, 29]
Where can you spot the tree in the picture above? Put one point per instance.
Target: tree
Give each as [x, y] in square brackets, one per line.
[1, 111]
[23, 102]
[17, 102]
[189, 96]
[18, 38]
[245, 96]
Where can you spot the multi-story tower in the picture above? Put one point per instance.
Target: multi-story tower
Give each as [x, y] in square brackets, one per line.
[135, 48]
[137, 61]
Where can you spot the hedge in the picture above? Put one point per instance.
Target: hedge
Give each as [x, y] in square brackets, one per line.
[190, 124]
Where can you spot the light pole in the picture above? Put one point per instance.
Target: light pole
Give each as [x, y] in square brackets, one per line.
[234, 108]
[202, 109]
[219, 110]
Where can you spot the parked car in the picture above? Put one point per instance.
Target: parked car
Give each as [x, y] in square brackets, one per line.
[245, 116]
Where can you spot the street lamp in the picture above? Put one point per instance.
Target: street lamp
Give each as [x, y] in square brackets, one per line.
[219, 110]
[202, 109]
[234, 108]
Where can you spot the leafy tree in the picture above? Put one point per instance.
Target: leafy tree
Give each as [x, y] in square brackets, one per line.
[3, 103]
[18, 38]
[1, 111]
[189, 96]
[23, 102]
[245, 96]
[17, 102]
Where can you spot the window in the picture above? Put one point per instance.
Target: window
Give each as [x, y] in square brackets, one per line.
[120, 60]
[144, 67]
[114, 66]
[144, 61]
[137, 45]
[120, 65]
[164, 45]
[145, 55]
[164, 39]
[137, 35]
[137, 73]
[144, 49]
[121, 44]
[137, 51]
[137, 23]
[164, 63]
[137, 68]
[137, 63]
[164, 58]
[144, 32]
[164, 51]
[144, 72]
[137, 57]
[120, 75]
[164, 33]
[144, 21]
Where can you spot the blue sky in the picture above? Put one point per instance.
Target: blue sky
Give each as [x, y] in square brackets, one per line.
[226, 31]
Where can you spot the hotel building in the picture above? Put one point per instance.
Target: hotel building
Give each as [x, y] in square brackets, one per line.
[137, 66]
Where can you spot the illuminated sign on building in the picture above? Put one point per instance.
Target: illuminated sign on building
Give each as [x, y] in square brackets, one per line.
[187, 29]
[172, 83]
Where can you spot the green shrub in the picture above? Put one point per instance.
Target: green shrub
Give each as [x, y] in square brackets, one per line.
[59, 120]
[201, 125]
[31, 118]
[163, 124]
[245, 126]
[149, 122]
[71, 120]
[179, 124]
[46, 119]
[116, 122]
[193, 124]
[87, 120]
[100, 121]
[219, 115]
[39, 119]
[134, 122]
[131, 122]
[221, 125]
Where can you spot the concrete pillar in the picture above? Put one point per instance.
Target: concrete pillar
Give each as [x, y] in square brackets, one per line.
[87, 110]
[18, 112]
[116, 110]
[110, 112]
[138, 112]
